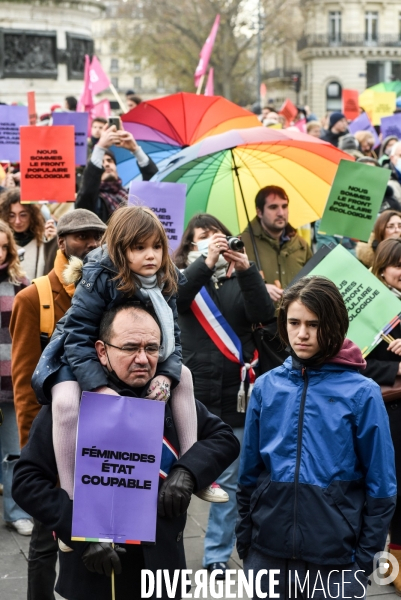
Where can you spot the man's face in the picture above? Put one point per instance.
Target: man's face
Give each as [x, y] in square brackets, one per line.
[96, 129]
[274, 217]
[110, 169]
[79, 244]
[131, 104]
[394, 157]
[340, 127]
[138, 334]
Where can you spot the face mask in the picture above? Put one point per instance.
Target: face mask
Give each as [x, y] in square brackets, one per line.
[398, 165]
[203, 246]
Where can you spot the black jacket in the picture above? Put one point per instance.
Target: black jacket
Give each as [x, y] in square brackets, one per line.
[88, 195]
[382, 365]
[35, 488]
[332, 138]
[243, 300]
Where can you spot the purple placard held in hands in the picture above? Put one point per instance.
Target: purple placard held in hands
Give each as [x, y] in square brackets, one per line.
[80, 122]
[362, 123]
[117, 467]
[167, 200]
[391, 126]
[11, 119]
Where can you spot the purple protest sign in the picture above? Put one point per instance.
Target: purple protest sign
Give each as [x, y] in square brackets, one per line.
[362, 123]
[11, 119]
[119, 446]
[391, 126]
[80, 122]
[167, 200]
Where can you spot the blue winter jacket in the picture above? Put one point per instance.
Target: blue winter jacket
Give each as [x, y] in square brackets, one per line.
[73, 341]
[317, 476]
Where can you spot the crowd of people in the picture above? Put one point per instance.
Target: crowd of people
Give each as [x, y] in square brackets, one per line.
[296, 450]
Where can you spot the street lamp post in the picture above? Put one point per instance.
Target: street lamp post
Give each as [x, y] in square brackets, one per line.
[258, 54]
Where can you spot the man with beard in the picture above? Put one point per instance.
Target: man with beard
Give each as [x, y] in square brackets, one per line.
[78, 232]
[101, 190]
[282, 253]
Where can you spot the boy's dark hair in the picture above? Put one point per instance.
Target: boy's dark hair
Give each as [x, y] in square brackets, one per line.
[71, 102]
[320, 296]
[99, 120]
[266, 191]
[106, 324]
[135, 98]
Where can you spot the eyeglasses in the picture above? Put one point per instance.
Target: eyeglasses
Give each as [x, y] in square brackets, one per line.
[394, 227]
[135, 349]
[22, 215]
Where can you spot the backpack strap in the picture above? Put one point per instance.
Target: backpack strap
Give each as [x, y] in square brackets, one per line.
[46, 302]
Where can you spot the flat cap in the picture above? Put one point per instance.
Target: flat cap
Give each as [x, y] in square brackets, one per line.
[79, 219]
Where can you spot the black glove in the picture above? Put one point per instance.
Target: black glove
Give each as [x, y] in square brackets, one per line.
[175, 493]
[101, 558]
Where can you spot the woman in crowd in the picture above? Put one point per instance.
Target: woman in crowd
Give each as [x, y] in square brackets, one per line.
[385, 149]
[30, 231]
[11, 282]
[314, 129]
[384, 367]
[387, 226]
[317, 482]
[366, 143]
[237, 302]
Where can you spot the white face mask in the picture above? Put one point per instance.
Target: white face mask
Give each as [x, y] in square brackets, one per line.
[203, 246]
[398, 165]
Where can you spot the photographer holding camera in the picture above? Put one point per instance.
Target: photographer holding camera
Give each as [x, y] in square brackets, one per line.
[216, 314]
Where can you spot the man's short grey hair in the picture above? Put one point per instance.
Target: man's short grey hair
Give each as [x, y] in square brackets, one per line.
[106, 324]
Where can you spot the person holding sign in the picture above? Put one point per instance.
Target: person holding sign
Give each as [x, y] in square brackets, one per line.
[127, 351]
[317, 486]
[384, 367]
[135, 264]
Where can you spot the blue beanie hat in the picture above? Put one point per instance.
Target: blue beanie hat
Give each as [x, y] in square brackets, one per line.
[334, 118]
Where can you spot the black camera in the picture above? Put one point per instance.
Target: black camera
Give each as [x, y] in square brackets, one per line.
[234, 243]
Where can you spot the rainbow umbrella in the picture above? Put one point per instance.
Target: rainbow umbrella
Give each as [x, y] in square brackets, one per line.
[163, 127]
[223, 174]
[387, 86]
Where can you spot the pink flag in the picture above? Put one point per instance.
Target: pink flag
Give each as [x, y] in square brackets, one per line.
[209, 90]
[85, 102]
[102, 109]
[301, 125]
[98, 77]
[206, 52]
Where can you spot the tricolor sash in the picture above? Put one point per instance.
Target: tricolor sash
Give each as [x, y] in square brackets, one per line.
[224, 337]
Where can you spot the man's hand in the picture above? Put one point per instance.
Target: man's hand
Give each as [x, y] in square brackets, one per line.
[395, 346]
[175, 493]
[240, 260]
[101, 558]
[159, 388]
[50, 230]
[103, 389]
[274, 292]
[109, 137]
[127, 141]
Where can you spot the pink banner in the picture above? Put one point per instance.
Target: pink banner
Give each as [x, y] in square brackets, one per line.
[85, 102]
[209, 90]
[101, 109]
[206, 52]
[98, 77]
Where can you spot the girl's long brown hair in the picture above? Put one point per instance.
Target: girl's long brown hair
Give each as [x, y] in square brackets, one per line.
[14, 268]
[127, 227]
[37, 222]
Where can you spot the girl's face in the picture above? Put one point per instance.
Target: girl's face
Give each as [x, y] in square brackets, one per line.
[4, 246]
[302, 326]
[393, 228]
[392, 276]
[19, 218]
[146, 257]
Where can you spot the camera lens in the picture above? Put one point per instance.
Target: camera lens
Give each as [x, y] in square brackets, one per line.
[235, 244]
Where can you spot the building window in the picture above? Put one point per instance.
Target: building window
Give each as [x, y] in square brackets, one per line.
[371, 26]
[137, 83]
[335, 27]
[114, 65]
[333, 96]
[114, 81]
[114, 47]
[137, 65]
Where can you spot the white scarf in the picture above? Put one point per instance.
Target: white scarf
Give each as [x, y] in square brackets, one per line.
[151, 290]
[220, 268]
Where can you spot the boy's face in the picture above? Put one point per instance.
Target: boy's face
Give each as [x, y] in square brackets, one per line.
[302, 327]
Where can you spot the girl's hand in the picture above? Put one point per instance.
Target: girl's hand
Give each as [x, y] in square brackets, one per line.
[240, 260]
[217, 245]
[395, 347]
[159, 388]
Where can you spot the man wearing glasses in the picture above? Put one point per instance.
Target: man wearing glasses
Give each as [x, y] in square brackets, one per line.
[128, 348]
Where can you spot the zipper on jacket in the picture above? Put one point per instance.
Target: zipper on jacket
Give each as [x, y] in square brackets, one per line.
[298, 462]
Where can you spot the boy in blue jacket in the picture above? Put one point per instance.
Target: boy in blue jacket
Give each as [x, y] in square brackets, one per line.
[317, 485]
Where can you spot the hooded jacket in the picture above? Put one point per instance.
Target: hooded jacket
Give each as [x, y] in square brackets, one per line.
[317, 476]
[331, 137]
[73, 341]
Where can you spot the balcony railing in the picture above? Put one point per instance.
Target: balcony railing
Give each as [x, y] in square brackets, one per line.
[347, 40]
[279, 73]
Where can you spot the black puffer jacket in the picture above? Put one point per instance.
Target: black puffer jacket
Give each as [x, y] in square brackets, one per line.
[382, 365]
[73, 341]
[243, 300]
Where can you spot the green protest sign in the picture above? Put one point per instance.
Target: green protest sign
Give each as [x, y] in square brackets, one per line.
[354, 200]
[370, 304]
